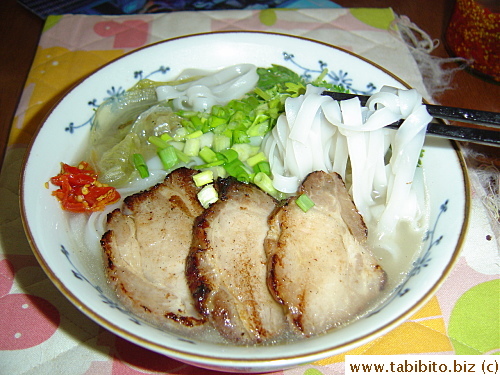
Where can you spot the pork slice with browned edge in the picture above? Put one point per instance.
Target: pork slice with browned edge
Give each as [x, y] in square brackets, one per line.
[145, 247]
[320, 268]
[227, 265]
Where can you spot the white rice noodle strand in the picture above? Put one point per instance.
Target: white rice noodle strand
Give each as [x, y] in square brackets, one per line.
[318, 133]
[200, 94]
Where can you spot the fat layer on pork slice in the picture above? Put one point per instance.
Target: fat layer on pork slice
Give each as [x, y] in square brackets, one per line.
[145, 247]
[319, 267]
[227, 265]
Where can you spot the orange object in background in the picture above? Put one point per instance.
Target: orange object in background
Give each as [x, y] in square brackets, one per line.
[474, 34]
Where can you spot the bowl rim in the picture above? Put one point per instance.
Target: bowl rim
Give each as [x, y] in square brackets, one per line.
[223, 361]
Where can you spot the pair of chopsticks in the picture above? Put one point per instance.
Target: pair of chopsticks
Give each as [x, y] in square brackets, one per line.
[488, 133]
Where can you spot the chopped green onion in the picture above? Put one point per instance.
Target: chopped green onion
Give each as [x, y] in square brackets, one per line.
[140, 165]
[158, 142]
[221, 142]
[263, 167]
[215, 163]
[258, 129]
[243, 176]
[263, 181]
[166, 137]
[304, 202]
[195, 134]
[192, 146]
[168, 157]
[245, 150]
[260, 157]
[188, 125]
[229, 155]
[203, 178]
[207, 154]
[187, 114]
[178, 145]
[207, 139]
[208, 195]
[180, 134]
[197, 122]
[237, 169]
[218, 171]
[182, 156]
[233, 167]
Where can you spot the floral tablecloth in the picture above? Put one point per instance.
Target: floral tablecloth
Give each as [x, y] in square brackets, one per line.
[43, 333]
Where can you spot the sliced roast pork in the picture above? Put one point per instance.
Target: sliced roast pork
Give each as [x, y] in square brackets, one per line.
[319, 266]
[146, 245]
[227, 265]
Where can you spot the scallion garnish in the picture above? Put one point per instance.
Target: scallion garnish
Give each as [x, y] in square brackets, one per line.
[235, 168]
[182, 156]
[304, 202]
[245, 150]
[165, 137]
[208, 155]
[168, 157]
[195, 134]
[203, 178]
[192, 146]
[180, 134]
[208, 195]
[197, 122]
[260, 157]
[221, 142]
[263, 167]
[158, 142]
[215, 163]
[228, 155]
[263, 181]
[140, 165]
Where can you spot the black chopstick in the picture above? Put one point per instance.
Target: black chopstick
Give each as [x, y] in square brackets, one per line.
[459, 133]
[472, 116]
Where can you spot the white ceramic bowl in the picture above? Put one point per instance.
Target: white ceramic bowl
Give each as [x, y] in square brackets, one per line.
[79, 274]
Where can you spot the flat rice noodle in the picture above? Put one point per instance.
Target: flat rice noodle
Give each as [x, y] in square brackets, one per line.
[215, 88]
[319, 133]
[316, 143]
[341, 155]
[292, 107]
[301, 126]
[389, 100]
[285, 184]
[409, 100]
